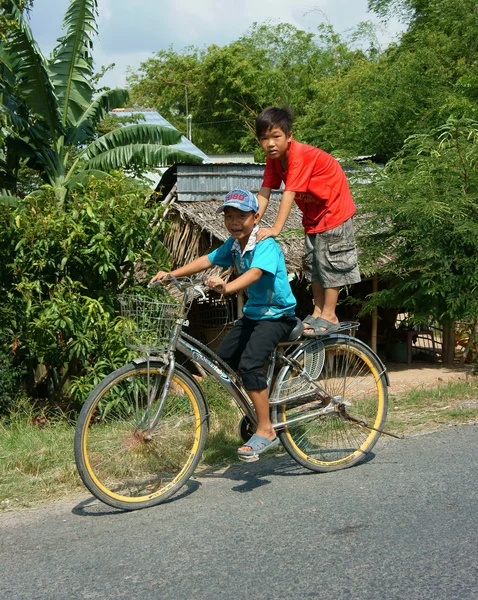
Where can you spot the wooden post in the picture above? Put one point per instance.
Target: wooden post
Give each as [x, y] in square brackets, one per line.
[373, 344]
[448, 348]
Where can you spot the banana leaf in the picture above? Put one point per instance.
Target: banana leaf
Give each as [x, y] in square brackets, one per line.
[140, 155]
[142, 133]
[71, 63]
[23, 58]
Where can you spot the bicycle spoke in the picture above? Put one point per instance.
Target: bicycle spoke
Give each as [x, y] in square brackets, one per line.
[121, 456]
[327, 440]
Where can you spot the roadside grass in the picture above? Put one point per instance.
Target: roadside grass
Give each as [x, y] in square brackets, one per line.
[434, 408]
[223, 438]
[36, 449]
[36, 458]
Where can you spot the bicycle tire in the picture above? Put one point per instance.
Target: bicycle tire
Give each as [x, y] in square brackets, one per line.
[115, 461]
[329, 443]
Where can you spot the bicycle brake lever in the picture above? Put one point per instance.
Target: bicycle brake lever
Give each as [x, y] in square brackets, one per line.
[200, 290]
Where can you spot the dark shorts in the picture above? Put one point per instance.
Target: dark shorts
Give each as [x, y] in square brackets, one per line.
[331, 256]
[249, 344]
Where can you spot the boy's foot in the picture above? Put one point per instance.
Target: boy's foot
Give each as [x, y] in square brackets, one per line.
[257, 444]
[318, 326]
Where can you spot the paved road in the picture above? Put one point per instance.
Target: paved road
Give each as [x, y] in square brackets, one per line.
[401, 526]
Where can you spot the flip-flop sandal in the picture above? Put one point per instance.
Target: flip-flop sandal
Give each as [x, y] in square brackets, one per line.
[258, 445]
[308, 319]
[320, 327]
[309, 322]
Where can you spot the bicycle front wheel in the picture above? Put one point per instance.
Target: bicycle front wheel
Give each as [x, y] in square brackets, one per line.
[121, 458]
[349, 372]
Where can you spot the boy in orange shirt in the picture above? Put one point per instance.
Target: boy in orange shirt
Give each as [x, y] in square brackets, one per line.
[316, 182]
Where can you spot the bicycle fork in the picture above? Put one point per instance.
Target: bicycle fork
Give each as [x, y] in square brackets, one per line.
[152, 392]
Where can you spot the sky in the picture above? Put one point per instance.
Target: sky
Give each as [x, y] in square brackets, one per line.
[131, 31]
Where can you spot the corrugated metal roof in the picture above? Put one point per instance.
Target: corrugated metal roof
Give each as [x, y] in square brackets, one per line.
[213, 181]
[152, 116]
[232, 157]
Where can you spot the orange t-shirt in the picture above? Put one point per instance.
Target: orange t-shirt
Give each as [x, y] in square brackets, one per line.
[320, 185]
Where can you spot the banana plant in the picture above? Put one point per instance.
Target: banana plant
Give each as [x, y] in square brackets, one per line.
[49, 114]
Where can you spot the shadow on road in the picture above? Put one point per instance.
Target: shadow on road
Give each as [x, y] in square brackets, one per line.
[95, 508]
[255, 475]
[249, 477]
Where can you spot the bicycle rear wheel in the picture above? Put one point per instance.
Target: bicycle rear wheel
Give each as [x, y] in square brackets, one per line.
[351, 373]
[117, 460]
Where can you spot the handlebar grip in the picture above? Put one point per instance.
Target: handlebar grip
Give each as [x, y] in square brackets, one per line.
[154, 284]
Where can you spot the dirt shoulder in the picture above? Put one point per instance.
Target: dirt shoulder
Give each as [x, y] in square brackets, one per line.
[404, 378]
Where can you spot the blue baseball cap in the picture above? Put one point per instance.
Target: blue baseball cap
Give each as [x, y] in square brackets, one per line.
[240, 199]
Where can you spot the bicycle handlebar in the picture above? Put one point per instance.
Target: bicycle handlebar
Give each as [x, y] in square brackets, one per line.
[183, 283]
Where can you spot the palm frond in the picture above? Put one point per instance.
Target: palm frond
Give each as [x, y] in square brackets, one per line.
[71, 63]
[11, 201]
[23, 58]
[81, 178]
[97, 110]
[142, 133]
[139, 155]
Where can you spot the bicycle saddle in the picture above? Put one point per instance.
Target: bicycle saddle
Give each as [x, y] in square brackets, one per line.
[295, 333]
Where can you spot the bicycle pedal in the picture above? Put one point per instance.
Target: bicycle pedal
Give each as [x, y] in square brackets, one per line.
[249, 459]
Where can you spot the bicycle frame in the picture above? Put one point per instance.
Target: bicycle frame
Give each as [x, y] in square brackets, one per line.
[214, 366]
[207, 360]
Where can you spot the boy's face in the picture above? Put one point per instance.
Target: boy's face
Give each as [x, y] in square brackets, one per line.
[239, 223]
[275, 142]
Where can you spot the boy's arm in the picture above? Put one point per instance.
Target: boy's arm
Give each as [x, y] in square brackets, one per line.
[263, 198]
[243, 281]
[285, 207]
[196, 266]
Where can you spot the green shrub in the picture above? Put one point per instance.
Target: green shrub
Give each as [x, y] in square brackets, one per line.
[11, 376]
[63, 269]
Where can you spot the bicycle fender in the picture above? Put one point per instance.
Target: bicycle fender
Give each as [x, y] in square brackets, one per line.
[344, 339]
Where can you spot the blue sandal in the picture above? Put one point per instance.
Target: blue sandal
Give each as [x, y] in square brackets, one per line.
[258, 445]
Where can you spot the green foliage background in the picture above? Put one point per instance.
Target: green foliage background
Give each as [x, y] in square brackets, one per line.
[67, 250]
[350, 96]
[61, 277]
[422, 224]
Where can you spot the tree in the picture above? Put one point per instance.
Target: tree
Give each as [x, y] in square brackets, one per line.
[412, 87]
[423, 208]
[50, 114]
[226, 87]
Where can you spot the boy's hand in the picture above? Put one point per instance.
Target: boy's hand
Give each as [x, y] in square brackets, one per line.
[159, 275]
[217, 284]
[266, 232]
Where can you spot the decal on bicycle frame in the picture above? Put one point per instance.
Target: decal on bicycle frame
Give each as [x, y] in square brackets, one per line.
[201, 358]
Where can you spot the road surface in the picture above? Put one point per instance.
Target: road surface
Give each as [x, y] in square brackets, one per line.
[402, 525]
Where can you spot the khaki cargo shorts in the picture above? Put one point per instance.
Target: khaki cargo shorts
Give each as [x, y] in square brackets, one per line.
[331, 256]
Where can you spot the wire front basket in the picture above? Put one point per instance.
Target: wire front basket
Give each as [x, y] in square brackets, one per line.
[148, 323]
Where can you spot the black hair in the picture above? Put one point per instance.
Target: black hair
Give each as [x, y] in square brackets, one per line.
[274, 117]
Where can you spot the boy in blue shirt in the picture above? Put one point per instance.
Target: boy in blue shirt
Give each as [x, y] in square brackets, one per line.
[268, 312]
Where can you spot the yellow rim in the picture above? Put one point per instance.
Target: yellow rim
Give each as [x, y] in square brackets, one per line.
[366, 443]
[192, 454]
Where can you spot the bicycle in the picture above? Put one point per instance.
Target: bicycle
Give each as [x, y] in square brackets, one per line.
[141, 432]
